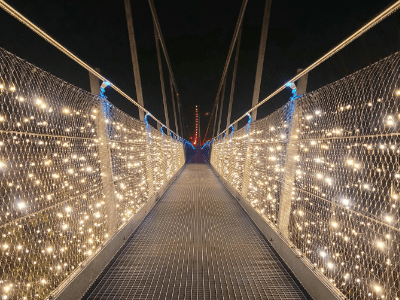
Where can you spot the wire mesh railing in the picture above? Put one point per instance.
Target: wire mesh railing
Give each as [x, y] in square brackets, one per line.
[324, 170]
[73, 170]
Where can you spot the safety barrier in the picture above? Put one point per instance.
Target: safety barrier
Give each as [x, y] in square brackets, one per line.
[324, 171]
[74, 169]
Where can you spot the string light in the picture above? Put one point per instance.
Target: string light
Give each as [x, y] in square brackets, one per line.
[53, 172]
[21, 205]
[339, 163]
[345, 202]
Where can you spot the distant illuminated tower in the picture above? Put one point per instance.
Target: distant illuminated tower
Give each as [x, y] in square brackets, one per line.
[196, 134]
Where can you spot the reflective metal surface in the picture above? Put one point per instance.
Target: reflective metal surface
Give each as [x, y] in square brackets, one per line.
[197, 243]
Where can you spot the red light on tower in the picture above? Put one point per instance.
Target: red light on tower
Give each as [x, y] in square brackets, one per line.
[197, 127]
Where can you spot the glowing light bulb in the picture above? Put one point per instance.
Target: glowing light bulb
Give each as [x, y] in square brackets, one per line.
[388, 219]
[21, 205]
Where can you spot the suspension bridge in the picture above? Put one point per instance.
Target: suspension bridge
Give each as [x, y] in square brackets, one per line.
[301, 204]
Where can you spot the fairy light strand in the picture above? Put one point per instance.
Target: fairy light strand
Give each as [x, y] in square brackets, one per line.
[54, 214]
[345, 192]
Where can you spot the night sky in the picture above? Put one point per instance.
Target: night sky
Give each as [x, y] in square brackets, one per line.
[197, 36]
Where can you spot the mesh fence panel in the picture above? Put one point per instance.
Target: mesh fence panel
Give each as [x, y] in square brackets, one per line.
[73, 170]
[325, 171]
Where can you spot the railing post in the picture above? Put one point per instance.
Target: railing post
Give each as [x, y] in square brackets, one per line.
[230, 147]
[302, 83]
[246, 178]
[222, 155]
[285, 201]
[106, 169]
[149, 165]
[164, 158]
[173, 143]
[229, 158]
[105, 159]
[289, 177]
[94, 83]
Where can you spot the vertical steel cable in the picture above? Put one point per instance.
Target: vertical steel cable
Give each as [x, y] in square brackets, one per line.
[161, 76]
[228, 118]
[228, 59]
[380, 17]
[222, 106]
[157, 24]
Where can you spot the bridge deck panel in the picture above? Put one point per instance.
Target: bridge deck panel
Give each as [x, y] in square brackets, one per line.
[197, 243]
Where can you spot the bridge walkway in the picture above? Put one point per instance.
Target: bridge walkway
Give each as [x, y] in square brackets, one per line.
[197, 243]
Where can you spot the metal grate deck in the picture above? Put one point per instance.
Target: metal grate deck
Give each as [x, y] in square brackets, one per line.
[197, 243]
